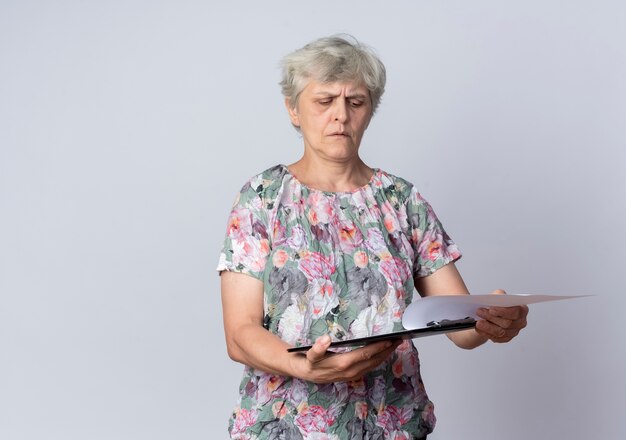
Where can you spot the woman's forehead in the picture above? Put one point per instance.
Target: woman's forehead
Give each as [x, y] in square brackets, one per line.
[335, 88]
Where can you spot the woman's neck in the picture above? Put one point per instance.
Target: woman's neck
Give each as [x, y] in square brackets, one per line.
[331, 176]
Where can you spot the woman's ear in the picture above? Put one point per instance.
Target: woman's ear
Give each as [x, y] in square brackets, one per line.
[293, 113]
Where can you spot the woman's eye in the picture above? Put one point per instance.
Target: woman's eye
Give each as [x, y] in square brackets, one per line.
[356, 103]
[325, 101]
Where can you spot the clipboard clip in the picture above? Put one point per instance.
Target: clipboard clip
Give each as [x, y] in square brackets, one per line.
[447, 322]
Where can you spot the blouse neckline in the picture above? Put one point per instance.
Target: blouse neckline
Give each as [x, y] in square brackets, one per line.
[335, 193]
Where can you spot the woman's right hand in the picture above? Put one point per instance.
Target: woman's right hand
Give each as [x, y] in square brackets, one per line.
[321, 366]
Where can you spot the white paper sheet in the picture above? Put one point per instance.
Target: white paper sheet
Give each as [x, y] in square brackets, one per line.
[437, 308]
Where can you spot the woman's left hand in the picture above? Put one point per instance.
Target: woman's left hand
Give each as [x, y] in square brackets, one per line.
[501, 324]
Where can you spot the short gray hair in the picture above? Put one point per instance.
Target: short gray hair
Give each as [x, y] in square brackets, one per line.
[330, 59]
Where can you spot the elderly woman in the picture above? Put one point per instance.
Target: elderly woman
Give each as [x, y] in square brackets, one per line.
[328, 248]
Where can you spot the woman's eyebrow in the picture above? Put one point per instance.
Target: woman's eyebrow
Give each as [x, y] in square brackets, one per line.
[329, 94]
[326, 93]
[357, 96]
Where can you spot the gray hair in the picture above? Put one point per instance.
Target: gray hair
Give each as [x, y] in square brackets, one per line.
[332, 59]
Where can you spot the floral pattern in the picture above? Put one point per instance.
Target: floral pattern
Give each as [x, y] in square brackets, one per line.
[342, 264]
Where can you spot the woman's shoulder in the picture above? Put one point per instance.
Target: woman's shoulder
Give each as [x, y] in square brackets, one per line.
[398, 187]
[266, 179]
[263, 187]
[268, 176]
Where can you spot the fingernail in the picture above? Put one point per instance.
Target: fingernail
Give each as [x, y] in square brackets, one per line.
[324, 339]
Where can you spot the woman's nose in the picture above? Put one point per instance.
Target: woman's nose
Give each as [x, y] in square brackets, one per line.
[341, 110]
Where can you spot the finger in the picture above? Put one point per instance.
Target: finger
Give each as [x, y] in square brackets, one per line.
[499, 322]
[346, 366]
[498, 292]
[367, 356]
[487, 315]
[513, 312]
[318, 350]
[489, 329]
[505, 316]
[368, 351]
[495, 332]
[367, 361]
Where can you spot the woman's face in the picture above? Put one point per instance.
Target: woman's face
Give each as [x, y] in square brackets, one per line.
[332, 118]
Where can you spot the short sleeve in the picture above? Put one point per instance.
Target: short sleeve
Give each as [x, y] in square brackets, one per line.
[432, 247]
[246, 245]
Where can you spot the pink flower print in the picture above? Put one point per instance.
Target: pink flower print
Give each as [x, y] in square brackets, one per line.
[279, 233]
[293, 202]
[321, 298]
[298, 239]
[279, 409]
[314, 418]
[313, 217]
[395, 270]
[397, 368]
[369, 213]
[321, 210]
[434, 251]
[430, 247]
[390, 223]
[232, 229]
[322, 232]
[326, 289]
[406, 363]
[392, 417]
[416, 235]
[360, 410]
[360, 259]
[250, 252]
[377, 393]
[375, 242]
[244, 418]
[264, 247]
[239, 224]
[259, 230]
[269, 388]
[315, 265]
[279, 258]
[386, 208]
[256, 204]
[299, 392]
[350, 237]
[390, 218]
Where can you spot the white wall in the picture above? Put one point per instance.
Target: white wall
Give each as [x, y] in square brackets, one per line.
[127, 127]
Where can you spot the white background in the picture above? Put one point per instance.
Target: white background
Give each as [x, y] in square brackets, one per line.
[128, 127]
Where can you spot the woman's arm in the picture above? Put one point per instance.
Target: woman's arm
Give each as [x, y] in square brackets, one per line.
[249, 343]
[498, 324]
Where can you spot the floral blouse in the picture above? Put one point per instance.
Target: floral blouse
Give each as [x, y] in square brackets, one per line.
[343, 264]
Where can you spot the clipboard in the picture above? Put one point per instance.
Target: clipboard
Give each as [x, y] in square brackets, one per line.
[435, 315]
[432, 328]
